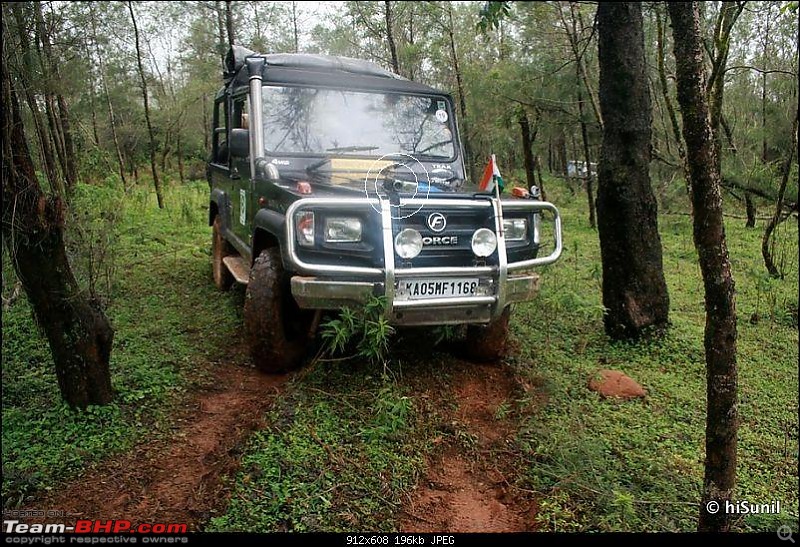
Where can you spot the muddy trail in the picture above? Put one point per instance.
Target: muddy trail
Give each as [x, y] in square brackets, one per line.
[467, 489]
[178, 479]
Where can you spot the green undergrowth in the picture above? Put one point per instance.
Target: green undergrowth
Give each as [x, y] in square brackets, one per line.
[151, 269]
[605, 465]
[344, 444]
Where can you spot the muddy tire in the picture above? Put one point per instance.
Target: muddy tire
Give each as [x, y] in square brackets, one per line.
[220, 248]
[486, 343]
[276, 328]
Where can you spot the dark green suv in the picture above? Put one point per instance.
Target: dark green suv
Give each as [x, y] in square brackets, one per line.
[333, 180]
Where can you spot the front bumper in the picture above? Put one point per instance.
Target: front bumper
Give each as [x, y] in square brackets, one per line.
[331, 286]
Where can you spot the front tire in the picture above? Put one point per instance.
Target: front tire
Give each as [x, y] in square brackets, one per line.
[487, 343]
[275, 326]
[220, 248]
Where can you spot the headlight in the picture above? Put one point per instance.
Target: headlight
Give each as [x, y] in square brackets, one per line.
[484, 242]
[304, 227]
[408, 243]
[515, 229]
[342, 230]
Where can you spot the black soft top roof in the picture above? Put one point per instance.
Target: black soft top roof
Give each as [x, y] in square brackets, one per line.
[317, 70]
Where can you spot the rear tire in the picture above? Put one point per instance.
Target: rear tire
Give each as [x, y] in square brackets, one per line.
[275, 326]
[486, 343]
[220, 248]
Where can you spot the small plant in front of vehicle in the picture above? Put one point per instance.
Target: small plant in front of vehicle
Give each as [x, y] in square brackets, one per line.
[362, 332]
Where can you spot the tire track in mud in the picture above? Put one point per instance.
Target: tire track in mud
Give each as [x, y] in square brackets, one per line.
[467, 490]
[179, 478]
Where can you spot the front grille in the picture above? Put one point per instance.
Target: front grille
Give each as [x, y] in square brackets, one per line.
[460, 224]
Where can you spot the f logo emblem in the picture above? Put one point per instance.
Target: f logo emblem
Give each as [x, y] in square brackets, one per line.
[437, 222]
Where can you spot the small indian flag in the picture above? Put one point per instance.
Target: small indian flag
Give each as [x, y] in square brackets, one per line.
[491, 177]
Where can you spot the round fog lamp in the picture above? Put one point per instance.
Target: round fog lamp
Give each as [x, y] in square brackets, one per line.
[408, 243]
[484, 242]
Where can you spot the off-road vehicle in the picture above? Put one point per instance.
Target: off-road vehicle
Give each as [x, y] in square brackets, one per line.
[332, 180]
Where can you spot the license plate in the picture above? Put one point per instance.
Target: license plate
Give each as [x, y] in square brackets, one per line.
[417, 289]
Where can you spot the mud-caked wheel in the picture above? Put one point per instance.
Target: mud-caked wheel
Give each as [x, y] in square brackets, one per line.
[486, 343]
[275, 327]
[220, 248]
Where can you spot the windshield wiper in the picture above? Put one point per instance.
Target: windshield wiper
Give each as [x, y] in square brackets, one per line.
[352, 148]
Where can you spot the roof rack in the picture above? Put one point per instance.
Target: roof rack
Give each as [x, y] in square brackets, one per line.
[235, 59]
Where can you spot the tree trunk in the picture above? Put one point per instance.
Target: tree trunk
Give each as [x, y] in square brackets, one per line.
[221, 44]
[462, 101]
[62, 122]
[766, 249]
[112, 120]
[180, 157]
[79, 335]
[229, 23]
[634, 290]
[294, 28]
[92, 97]
[43, 138]
[156, 181]
[709, 239]
[673, 118]
[205, 124]
[538, 163]
[390, 37]
[750, 210]
[581, 64]
[588, 159]
[527, 152]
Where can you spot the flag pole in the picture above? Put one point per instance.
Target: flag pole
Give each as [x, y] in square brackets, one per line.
[497, 195]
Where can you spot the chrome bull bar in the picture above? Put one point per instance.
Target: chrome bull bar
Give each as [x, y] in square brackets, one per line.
[310, 292]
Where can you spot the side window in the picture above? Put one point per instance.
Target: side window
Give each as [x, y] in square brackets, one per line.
[240, 117]
[220, 136]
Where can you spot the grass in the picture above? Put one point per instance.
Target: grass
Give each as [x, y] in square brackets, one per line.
[604, 465]
[168, 321]
[341, 451]
[347, 441]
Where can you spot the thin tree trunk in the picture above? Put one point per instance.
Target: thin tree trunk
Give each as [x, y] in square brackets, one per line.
[92, 97]
[45, 147]
[205, 124]
[221, 44]
[709, 239]
[78, 332]
[294, 28]
[673, 118]
[588, 159]
[390, 36]
[63, 123]
[229, 23]
[462, 101]
[634, 290]
[156, 181]
[538, 163]
[573, 42]
[527, 152]
[180, 157]
[112, 120]
[766, 247]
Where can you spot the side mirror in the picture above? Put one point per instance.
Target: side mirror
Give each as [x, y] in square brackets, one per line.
[240, 143]
[266, 170]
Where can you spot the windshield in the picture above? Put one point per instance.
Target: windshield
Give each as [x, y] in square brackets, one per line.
[327, 121]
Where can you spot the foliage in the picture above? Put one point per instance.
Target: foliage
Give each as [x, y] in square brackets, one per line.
[159, 297]
[341, 450]
[365, 330]
[604, 465]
